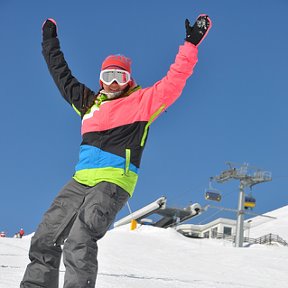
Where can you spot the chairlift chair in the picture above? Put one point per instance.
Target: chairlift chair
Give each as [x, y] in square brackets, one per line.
[249, 202]
[212, 193]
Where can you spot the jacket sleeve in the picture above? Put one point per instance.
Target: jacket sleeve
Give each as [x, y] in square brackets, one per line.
[74, 92]
[163, 93]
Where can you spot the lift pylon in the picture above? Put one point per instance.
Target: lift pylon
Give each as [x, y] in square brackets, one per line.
[248, 177]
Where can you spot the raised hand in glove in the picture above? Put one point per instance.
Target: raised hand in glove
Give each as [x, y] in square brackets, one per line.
[195, 34]
[49, 29]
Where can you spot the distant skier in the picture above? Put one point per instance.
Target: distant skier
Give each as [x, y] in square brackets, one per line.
[21, 233]
[115, 125]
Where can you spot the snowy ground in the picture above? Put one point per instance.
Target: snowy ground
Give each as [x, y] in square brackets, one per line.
[154, 257]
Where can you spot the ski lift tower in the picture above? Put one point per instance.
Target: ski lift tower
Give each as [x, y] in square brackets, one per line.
[248, 177]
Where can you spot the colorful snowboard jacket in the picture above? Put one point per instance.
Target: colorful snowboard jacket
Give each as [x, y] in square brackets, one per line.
[114, 132]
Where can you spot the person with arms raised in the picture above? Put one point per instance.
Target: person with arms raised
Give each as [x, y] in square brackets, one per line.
[115, 125]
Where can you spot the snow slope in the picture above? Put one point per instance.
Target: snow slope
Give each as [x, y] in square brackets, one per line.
[260, 225]
[155, 257]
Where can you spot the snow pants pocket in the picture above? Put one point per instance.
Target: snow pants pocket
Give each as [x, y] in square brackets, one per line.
[104, 201]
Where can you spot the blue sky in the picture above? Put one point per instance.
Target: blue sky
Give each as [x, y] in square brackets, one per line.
[233, 108]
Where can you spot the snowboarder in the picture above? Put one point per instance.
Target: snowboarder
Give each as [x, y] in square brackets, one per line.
[115, 125]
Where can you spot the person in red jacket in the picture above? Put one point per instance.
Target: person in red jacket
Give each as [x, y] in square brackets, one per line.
[21, 233]
[115, 126]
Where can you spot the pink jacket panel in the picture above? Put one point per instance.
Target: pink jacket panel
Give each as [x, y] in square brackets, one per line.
[143, 103]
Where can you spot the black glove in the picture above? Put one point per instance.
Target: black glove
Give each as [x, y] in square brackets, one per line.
[199, 30]
[49, 29]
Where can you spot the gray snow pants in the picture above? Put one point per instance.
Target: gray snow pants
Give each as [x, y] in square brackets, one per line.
[80, 215]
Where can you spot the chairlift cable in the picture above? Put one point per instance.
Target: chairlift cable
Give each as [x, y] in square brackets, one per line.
[182, 195]
[205, 219]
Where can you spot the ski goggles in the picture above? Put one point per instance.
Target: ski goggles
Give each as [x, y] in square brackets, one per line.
[108, 76]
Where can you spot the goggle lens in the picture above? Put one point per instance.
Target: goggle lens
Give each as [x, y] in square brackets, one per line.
[108, 76]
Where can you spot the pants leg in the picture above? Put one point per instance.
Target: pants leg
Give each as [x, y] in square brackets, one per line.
[92, 222]
[45, 250]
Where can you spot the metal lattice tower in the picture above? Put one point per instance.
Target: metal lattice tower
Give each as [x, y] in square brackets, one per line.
[248, 177]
